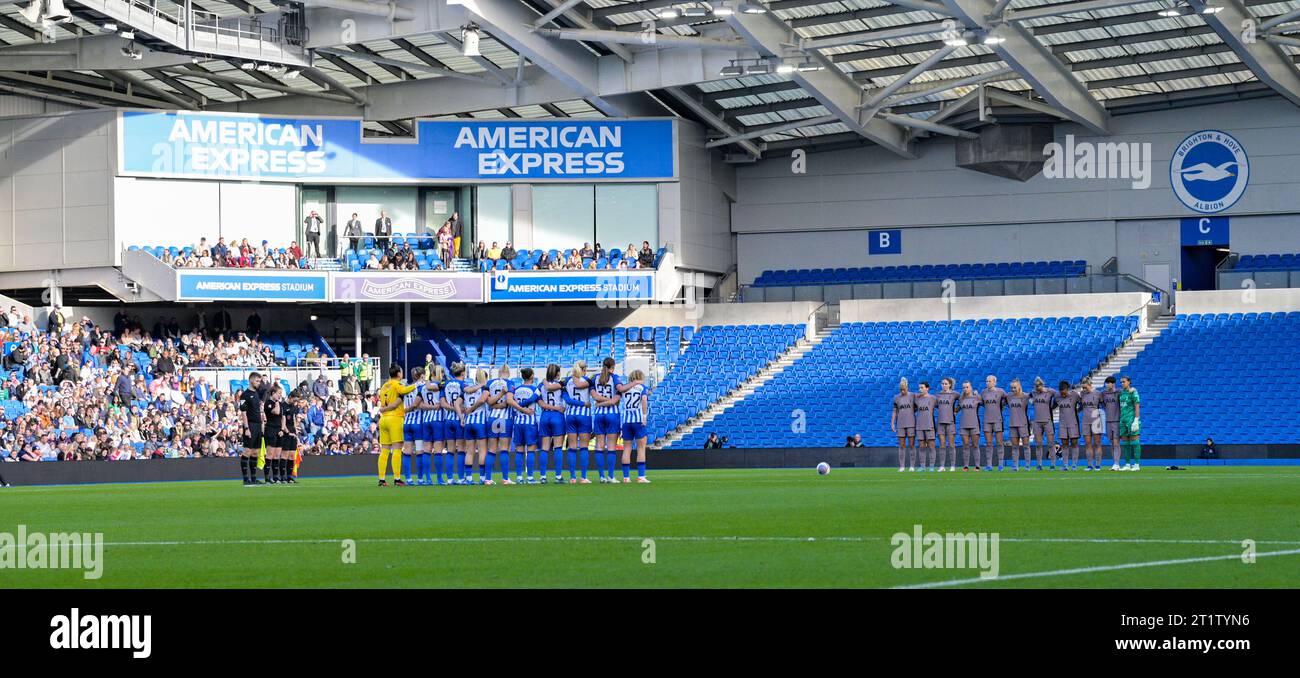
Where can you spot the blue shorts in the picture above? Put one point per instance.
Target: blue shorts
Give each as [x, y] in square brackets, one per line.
[500, 427]
[633, 430]
[475, 431]
[411, 431]
[452, 430]
[605, 424]
[525, 434]
[552, 425]
[432, 431]
[577, 424]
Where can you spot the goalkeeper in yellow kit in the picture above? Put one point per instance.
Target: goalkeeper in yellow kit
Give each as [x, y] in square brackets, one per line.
[391, 415]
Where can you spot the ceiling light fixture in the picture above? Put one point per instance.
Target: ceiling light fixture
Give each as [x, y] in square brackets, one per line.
[469, 37]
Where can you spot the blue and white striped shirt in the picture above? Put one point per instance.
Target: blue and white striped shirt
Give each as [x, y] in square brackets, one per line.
[496, 387]
[410, 402]
[576, 394]
[480, 415]
[429, 393]
[525, 396]
[607, 390]
[633, 398]
[453, 391]
[553, 398]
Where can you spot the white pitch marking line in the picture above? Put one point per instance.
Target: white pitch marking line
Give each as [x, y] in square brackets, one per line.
[1090, 570]
[696, 538]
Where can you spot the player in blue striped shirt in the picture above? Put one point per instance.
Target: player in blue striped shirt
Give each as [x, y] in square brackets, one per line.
[522, 400]
[604, 420]
[411, 425]
[476, 421]
[453, 422]
[635, 413]
[430, 423]
[577, 419]
[551, 427]
[498, 434]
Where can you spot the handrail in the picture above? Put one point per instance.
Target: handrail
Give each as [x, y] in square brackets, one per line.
[1232, 258]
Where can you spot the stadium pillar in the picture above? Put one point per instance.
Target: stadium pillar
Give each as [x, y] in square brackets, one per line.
[356, 329]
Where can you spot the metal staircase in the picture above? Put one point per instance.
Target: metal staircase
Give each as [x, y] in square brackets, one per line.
[191, 30]
[325, 264]
[790, 357]
[1130, 350]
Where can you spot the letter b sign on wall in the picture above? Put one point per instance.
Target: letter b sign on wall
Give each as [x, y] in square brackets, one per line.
[886, 242]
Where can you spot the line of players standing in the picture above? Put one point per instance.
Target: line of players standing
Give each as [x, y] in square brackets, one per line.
[446, 424]
[268, 419]
[921, 419]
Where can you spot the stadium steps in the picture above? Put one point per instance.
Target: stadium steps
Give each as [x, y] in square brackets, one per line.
[325, 264]
[1130, 350]
[741, 392]
[460, 264]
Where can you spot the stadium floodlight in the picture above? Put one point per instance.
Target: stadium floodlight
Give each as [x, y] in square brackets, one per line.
[723, 10]
[129, 51]
[126, 34]
[750, 8]
[758, 68]
[1211, 9]
[809, 66]
[731, 70]
[248, 65]
[992, 40]
[265, 68]
[109, 27]
[469, 37]
[1175, 11]
[695, 10]
[786, 67]
[669, 12]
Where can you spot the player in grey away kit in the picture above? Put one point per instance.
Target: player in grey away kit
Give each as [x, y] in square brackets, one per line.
[1110, 407]
[923, 412]
[945, 423]
[1090, 409]
[903, 423]
[968, 404]
[1018, 407]
[1044, 399]
[993, 399]
[1067, 416]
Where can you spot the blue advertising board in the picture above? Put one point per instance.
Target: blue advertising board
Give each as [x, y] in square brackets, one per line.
[251, 287]
[574, 286]
[1204, 231]
[306, 149]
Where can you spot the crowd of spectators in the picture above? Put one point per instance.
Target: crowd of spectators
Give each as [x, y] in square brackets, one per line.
[77, 391]
[241, 254]
[575, 259]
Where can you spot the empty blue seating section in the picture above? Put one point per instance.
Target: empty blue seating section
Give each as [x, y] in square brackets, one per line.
[1268, 262]
[1220, 376]
[292, 347]
[538, 347]
[846, 384]
[918, 273]
[719, 358]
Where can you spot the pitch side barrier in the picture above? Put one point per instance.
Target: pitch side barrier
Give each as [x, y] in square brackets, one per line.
[227, 468]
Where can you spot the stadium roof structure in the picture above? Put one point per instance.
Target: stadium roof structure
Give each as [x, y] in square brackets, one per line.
[764, 76]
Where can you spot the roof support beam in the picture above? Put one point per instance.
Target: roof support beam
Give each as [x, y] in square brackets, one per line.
[52, 83]
[878, 97]
[773, 129]
[374, 57]
[1063, 8]
[944, 86]
[583, 22]
[220, 78]
[1035, 63]
[1264, 58]
[1280, 19]
[555, 12]
[830, 86]
[649, 40]
[867, 37]
[918, 123]
[711, 119]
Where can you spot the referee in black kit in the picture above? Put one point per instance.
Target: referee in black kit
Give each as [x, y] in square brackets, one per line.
[250, 403]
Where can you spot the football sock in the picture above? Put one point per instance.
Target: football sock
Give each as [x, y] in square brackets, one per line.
[584, 458]
[531, 458]
[559, 461]
[543, 462]
[611, 462]
[243, 468]
[640, 469]
[572, 456]
[437, 466]
[383, 463]
[627, 471]
[488, 464]
[600, 462]
[1137, 452]
[503, 458]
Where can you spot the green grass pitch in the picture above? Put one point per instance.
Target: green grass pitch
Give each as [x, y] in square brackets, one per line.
[725, 528]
